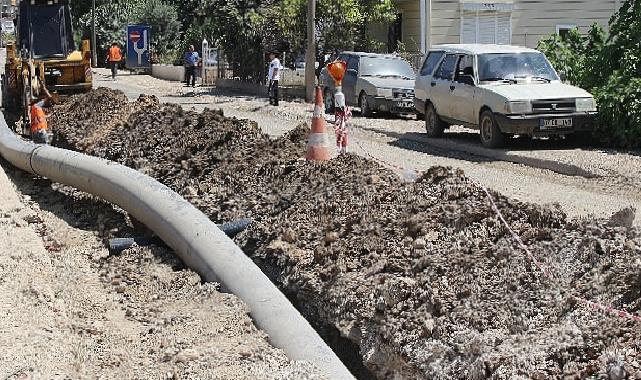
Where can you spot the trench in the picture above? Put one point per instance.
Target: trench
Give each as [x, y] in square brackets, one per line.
[317, 349]
[351, 253]
[346, 350]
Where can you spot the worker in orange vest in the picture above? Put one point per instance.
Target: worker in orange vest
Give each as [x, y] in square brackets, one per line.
[39, 127]
[114, 56]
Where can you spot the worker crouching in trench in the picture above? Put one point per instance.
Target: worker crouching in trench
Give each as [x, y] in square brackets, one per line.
[39, 128]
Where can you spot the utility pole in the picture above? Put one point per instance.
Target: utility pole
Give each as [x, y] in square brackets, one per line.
[94, 53]
[310, 56]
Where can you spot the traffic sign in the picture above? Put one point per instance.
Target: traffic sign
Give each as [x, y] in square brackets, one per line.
[134, 36]
[138, 44]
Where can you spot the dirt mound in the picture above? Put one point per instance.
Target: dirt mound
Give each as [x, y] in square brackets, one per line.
[421, 276]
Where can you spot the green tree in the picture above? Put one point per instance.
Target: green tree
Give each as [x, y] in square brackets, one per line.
[340, 24]
[113, 17]
[575, 54]
[186, 10]
[616, 76]
[165, 27]
[610, 68]
[241, 28]
[111, 23]
[247, 29]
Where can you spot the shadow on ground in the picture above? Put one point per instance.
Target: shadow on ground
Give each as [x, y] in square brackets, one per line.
[78, 209]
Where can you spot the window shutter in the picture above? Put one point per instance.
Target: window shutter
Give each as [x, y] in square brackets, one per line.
[487, 28]
[468, 28]
[504, 28]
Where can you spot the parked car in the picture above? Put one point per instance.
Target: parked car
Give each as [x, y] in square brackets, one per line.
[501, 90]
[373, 82]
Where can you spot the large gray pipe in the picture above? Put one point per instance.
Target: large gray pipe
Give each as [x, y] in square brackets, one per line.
[196, 240]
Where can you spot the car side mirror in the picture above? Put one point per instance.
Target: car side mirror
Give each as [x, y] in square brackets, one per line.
[563, 76]
[467, 79]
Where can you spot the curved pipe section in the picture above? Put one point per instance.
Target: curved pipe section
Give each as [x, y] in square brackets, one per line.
[196, 240]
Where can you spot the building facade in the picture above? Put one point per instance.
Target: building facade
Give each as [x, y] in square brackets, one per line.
[423, 23]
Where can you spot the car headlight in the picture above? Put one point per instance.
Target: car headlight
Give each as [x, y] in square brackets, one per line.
[384, 92]
[585, 105]
[521, 106]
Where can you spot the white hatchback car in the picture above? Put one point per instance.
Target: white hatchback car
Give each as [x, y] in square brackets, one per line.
[501, 90]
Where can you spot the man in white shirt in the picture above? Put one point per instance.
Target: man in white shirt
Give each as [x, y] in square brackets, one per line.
[274, 77]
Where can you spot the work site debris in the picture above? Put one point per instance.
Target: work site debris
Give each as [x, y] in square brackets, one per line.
[421, 276]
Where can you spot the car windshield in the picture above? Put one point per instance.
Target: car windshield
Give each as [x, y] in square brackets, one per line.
[511, 66]
[386, 67]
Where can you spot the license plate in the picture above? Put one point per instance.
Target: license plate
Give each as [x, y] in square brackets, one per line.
[405, 104]
[555, 123]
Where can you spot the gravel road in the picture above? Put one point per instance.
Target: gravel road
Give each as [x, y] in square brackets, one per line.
[612, 182]
[69, 310]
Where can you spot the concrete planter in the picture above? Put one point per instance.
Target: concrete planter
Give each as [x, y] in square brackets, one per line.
[256, 89]
[168, 72]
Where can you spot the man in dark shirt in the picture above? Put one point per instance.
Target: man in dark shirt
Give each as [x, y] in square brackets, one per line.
[191, 61]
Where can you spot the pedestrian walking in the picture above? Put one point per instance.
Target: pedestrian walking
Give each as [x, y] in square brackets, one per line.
[114, 56]
[274, 77]
[191, 61]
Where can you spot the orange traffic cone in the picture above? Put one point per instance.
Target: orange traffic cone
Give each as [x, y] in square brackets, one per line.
[318, 144]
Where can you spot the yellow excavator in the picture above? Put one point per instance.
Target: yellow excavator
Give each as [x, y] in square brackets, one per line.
[44, 54]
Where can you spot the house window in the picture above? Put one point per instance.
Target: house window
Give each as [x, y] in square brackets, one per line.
[486, 23]
[564, 30]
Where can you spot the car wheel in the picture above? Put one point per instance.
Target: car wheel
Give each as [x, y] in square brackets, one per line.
[491, 135]
[329, 101]
[366, 109]
[433, 124]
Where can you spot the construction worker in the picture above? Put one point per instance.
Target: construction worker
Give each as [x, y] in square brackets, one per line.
[39, 127]
[114, 56]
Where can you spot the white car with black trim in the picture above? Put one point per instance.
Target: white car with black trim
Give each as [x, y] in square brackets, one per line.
[501, 90]
[373, 82]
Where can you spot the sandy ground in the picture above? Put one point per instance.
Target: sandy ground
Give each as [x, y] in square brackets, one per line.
[70, 310]
[617, 176]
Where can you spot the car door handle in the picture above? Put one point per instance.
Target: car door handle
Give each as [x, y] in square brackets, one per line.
[452, 88]
[433, 84]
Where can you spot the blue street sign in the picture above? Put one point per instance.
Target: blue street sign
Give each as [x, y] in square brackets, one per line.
[138, 41]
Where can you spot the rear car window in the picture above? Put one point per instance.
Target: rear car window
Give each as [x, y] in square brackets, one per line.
[431, 62]
[447, 67]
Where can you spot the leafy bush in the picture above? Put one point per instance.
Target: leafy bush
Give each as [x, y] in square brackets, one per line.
[610, 68]
[113, 17]
[165, 27]
[574, 54]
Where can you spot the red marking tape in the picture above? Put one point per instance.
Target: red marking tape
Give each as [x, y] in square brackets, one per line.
[590, 304]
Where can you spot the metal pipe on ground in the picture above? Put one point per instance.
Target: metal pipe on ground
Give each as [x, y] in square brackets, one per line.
[196, 240]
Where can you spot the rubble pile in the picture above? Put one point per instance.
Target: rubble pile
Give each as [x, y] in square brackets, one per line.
[421, 276]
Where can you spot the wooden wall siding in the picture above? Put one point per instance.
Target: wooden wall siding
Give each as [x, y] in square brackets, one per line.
[531, 19]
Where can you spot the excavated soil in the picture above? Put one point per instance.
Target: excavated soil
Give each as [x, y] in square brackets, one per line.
[421, 276]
